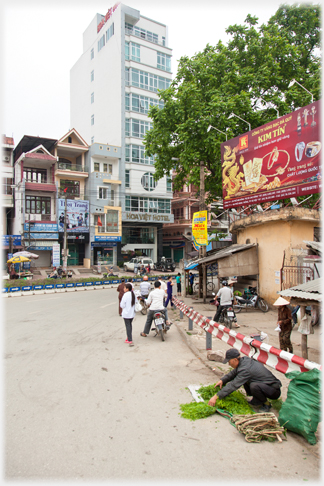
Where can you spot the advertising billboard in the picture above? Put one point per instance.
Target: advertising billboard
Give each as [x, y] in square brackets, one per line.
[279, 160]
[77, 220]
[199, 228]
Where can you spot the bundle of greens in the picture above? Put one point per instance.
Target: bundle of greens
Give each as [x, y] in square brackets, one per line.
[261, 426]
[235, 403]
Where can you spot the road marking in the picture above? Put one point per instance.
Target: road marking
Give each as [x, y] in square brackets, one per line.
[103, 306]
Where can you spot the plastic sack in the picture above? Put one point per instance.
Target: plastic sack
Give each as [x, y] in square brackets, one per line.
[301, 412]
[305, 326]
[138, 306]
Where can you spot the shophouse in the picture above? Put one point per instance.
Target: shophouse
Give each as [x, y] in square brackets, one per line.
[177, 237]
[125, 61]
[35, 192]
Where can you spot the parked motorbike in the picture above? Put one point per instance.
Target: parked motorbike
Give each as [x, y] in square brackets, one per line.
[227, 316]
[250, 300]
[161, 327]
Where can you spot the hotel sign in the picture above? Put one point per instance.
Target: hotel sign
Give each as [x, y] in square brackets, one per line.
[147, 217]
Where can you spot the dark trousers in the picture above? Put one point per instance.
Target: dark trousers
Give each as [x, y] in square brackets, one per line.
[260, 391]
[284, 341]
[169, 299]
[128, 324]
[219, 311]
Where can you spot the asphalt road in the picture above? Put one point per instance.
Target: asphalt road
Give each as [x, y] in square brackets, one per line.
[81, 404]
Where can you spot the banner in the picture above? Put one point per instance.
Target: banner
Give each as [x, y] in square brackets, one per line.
[199, 228]
[279, 160]
[77, 215]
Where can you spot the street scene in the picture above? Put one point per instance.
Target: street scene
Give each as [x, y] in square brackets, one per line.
[161, 229]
[80, 403]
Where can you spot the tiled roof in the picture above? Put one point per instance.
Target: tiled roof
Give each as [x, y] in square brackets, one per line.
[36, 155]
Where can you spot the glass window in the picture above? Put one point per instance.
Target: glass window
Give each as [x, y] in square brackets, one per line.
[101, 43]
[127, 51]
[127, 81]
[35, 175]
[110, 32]
[127, 127]
[169, 184]
[92, 119]
[135, 52]
[92, 54]
[112, 221]
[135, 102]
[71, 188]
[163, 61]
[148, 181]
[96, 167]
[92, 75]
[127, 101]
[105, 167]
[92, 139]
[127, 178]
[38, 205]
[127, 153]
[110, 168]
[92, 97]
[135, 78]
[103, 193]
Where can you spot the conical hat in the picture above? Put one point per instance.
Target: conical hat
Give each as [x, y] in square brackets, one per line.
[281, 301]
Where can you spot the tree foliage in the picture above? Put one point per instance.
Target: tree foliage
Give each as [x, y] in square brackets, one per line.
[256, 62]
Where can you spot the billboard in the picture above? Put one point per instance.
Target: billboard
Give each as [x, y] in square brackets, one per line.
[77, 220]
[279, 160]
[199, 228]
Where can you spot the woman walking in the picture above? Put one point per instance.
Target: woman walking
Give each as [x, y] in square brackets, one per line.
[128, 306]
[285, 324]
[178, 280]
[121, 290]
[169, 292]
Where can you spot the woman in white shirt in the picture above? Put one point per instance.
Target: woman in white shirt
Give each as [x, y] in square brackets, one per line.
[128, 305]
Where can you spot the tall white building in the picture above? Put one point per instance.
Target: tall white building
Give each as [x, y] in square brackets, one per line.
[125, 61]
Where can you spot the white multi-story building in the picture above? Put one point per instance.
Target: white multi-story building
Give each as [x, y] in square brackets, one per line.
[125, 61]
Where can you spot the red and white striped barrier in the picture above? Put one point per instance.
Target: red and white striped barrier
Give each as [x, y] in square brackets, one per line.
[276, 358]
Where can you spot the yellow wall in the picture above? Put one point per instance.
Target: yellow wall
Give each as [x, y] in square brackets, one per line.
[274, 238]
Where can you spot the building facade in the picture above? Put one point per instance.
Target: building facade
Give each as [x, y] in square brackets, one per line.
[7, 146]
[125, 61]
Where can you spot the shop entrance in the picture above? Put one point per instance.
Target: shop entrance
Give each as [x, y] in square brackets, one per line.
[177, 254]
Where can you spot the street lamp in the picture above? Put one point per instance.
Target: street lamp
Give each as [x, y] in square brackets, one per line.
[268, 103]
[293, 81]
[220, 131]
[233, 114]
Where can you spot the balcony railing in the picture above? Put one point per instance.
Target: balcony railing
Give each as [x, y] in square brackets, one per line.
[71, 167]
[143, 35]
[40, 217]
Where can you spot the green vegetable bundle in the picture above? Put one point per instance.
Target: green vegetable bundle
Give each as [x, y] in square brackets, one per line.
[235, 404]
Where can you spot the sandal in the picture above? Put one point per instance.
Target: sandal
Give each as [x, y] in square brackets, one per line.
[143, 334]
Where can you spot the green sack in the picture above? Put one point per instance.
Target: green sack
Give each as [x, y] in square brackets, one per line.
[300, 413]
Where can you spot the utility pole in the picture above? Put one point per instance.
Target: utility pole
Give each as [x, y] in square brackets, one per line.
[65, 249]
[29, 231]
[202, 249]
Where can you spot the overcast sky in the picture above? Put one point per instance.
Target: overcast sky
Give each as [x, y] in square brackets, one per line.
[42, 40]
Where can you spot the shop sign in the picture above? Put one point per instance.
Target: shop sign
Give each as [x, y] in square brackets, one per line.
[39, 248]
[148, 217]
[42, 236]
[279, 160]
[199, 228]
[107, 16]
[108, 238]
[100, 245]
[41, 227]
[56, 254]
[77, 220]
[16, 240]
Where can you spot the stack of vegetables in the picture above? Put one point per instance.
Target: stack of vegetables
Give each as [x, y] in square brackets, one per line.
[259, 426]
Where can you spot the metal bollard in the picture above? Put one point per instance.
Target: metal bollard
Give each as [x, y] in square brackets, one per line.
[209, 341]
[190, 327]
[181, 312]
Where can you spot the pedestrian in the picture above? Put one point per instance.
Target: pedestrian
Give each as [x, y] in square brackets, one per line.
[148, 268]
[257, 381]
[121, 290]
[130, 281]
[145, 287]
[128, 305]
[178, 280]
[135, 267]
[191, 281]
[285, 324]
[155, 301]
[169, 292]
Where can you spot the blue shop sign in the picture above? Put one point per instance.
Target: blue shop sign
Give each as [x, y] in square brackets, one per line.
[107, 238]
[41, 227]
[39, 248]
[102, 243]
[16, 240]
[43, 236]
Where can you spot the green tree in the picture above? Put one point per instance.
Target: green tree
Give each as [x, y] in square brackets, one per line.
[256, 62]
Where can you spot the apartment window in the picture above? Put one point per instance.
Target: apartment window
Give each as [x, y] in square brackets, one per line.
[112, 221]
[127, 51]
[141, 33]
[148, 181]
[103, 193]
[163, 61]
[110, 168]
[92, 53]
[71, 188]
[169, 184]
[92, 75]
[144, 80]
[38, 205]
[163, 41]
[92, 139]
[136, 154]
[92, 119]
[127, 178]
[136, 128]
[35, 175]
[96, 166]
[101, 43]
[127, 101]
[92, 97]
[135, 52]
[110, 32]
[6, 186]
[147, 205]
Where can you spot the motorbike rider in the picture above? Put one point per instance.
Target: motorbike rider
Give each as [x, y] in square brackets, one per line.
[226, 297]
[145, 287]
[155, 301]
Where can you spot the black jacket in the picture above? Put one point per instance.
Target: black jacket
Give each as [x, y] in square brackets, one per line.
[248, 371]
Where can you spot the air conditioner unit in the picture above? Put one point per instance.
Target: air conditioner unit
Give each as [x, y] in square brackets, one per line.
[6, 158]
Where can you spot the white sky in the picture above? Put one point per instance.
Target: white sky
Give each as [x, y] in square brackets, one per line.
[41, 41]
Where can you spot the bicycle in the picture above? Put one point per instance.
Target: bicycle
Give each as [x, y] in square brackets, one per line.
[210, 286]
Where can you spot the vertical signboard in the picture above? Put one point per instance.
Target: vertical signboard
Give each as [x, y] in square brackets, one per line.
[56, 254]
[199, 228]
